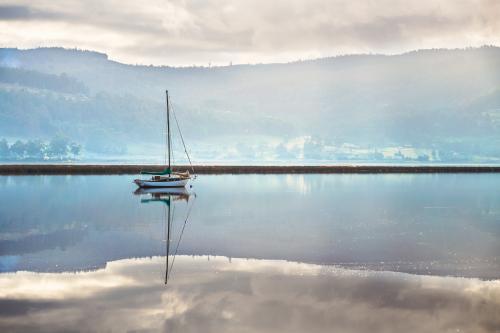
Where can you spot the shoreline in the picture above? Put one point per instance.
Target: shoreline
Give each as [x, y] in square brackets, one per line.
[96, 169]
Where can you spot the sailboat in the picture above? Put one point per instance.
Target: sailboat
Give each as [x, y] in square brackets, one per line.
[167, 178]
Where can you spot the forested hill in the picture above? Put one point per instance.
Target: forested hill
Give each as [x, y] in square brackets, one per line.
[422, 106]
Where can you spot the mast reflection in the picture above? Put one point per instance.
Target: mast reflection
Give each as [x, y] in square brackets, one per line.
[168, 196]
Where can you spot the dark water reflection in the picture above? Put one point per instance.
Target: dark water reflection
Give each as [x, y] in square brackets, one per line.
[349, 253]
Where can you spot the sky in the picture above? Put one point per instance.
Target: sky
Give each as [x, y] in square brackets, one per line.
[220, 32]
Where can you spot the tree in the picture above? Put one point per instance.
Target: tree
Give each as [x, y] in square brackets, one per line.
[75, 149]
[423, 158]
[435, 155]
[4, 149]
[35, 149]
[58, 147]
[18, 149]
[399, 155]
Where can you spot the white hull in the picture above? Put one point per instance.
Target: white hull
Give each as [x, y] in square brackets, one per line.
[162, 190]
[169, 183]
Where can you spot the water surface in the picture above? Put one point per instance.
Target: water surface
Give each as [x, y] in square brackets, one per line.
[352, 253]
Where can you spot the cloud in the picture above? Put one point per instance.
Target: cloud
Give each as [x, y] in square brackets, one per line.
[244, 295]
[24, 13]
[193, 31]
[14, 12]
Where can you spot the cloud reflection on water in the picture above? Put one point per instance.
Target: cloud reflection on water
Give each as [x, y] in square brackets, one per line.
[244, 296]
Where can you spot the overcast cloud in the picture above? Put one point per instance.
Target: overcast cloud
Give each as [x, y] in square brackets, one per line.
[186, 32]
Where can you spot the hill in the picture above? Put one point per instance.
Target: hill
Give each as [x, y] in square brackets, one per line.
[423, 106]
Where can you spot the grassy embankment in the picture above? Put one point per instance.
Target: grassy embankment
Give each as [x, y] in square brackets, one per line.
[47, 169]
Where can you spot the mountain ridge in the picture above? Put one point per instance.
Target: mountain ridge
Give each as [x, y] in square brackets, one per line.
[103, 55]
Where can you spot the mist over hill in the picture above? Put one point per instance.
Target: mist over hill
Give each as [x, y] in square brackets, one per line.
[425, 106]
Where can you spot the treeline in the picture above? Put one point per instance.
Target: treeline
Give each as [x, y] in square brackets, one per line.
[58, 148]
[28, 78]
[101, 118]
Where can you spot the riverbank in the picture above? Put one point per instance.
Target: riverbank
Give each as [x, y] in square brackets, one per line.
[78, 169]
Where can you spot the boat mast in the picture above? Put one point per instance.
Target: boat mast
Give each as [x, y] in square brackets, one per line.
[168, 129]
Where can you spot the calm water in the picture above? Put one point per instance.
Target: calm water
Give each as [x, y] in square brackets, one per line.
[252, 253]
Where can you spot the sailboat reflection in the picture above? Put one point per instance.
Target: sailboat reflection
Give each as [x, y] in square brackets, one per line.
[168, 196]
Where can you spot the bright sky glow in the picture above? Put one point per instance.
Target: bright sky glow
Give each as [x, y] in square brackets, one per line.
[187, 32]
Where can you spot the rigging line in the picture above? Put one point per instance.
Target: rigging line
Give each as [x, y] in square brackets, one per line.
[172, 152]
[182, 138]
[180, 237]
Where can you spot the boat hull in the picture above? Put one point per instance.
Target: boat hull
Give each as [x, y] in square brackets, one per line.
[169, 183]
[176, 191]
